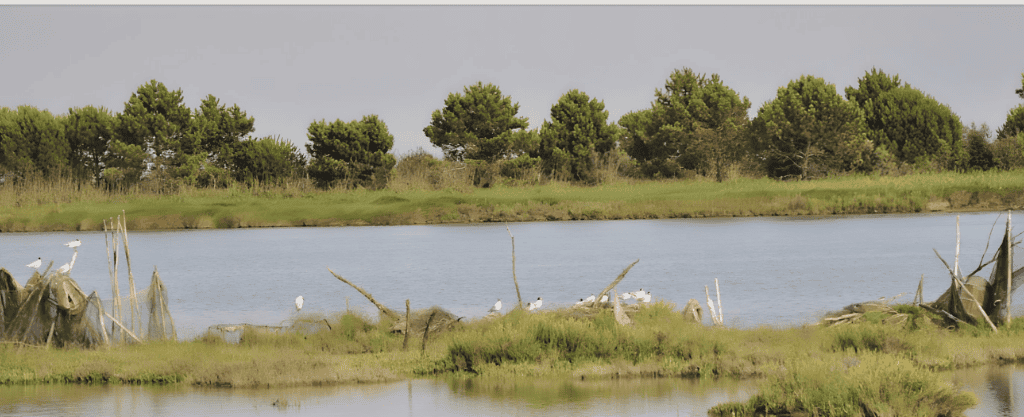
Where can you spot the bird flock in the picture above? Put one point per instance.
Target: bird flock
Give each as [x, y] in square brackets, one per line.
[74, 244]
[641, 296]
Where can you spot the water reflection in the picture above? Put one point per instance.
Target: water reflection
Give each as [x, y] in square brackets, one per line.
[537, 397]
[996, 386]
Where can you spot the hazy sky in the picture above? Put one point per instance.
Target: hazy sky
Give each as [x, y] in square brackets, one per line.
[290, 65]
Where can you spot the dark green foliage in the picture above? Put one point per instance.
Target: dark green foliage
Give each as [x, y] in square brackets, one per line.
[481, 124]
[577, 133]
[89, 131]
[32, 140]
[1008, 151]
[696, 123]
[216, 130]
[809, 131]
[267, 160]
[125, 165]
[909, 124]
[1014, 123]
[981, 156]
[155, 119]
[356, 152]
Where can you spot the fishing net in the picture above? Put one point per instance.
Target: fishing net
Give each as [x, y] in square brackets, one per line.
[51, 309]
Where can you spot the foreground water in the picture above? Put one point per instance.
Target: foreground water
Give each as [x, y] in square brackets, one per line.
[995, 386]
[772, 271]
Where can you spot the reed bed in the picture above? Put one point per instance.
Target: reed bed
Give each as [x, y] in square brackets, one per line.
[65, 205]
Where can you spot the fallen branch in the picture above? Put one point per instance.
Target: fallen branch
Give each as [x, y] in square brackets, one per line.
[613, 284]
[380, 307]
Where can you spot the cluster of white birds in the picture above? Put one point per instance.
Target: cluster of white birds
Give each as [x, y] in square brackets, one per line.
[640, 296]
[74, 244]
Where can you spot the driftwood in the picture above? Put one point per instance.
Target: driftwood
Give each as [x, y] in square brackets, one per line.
[613, 284]
[620, 315]
[385, 310]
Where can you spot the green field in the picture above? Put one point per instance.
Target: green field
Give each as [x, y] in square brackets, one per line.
[52, 207]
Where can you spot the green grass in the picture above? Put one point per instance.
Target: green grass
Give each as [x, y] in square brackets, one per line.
[64, 207]
[864, 368]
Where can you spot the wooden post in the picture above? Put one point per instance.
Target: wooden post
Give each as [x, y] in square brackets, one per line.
[426, 330]
[405, 342]
[919, 297]
[132, 298]
[1009, 267]
[956, 259]
[514, 280]
[721, 317]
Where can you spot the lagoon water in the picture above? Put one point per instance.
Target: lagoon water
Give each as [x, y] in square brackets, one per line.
[772, 271]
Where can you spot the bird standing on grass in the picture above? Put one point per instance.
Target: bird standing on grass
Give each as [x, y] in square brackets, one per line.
[496, 308]
[36, 263]
[590, 299]
[604, 298]
[74, 243]
[298, 303]
[537, 304]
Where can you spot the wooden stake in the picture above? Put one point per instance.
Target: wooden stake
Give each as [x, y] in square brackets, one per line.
[133, 299]
[426, 330]
[956, 259]
[919, 297]
[1009, 267]
[721, 317]
[405, 342]
[514, 280]
[711, 306]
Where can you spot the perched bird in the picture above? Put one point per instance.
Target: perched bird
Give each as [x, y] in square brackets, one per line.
[604, 298]
[638, 294]
[65, 268]
[530, 306]
[74, 243]
[578, 303]
[298, 303]
[36, 263]
[645, 298]
[590, 299]
[496, 308]
[537, 304]
[626, 295]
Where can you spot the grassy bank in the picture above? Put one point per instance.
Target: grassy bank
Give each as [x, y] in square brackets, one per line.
[52, 207]
[854, 369]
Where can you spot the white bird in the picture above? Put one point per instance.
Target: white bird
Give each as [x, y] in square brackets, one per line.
[626, 295]
[36, 263]
[604, 298]
[496, 308]
[646, 298]
[590, 299]
[298, 303]
[530, 306]
[64, 268]
[537, 304]
[74, 243]
[578, 303]
[638, 294]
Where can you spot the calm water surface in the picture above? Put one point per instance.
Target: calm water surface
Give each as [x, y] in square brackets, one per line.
[772, 271]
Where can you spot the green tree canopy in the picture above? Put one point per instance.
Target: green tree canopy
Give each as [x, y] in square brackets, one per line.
[695, 123]
[577, 132]
[1014, 123]
[32, 140]
[808, 130]
[89, 131]
[481, 124]
[911, 125]
[215, 130]
[981, 156]
[267, 160]
[356, 151]
[154, 118]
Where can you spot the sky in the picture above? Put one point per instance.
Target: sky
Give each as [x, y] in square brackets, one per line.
[288, 66]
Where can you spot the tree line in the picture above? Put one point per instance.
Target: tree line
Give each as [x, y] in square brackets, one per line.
[696, 125]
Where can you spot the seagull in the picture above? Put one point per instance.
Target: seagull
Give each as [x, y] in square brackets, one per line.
[74, 243]
[604, 298]
[638, 294]
[36, 263]
[64, 268]
[578, 303]
[298, 303]
[537, 304]
[496, 308]
[626, 295]
[646, 298]
[590, 299]
[530, 306]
